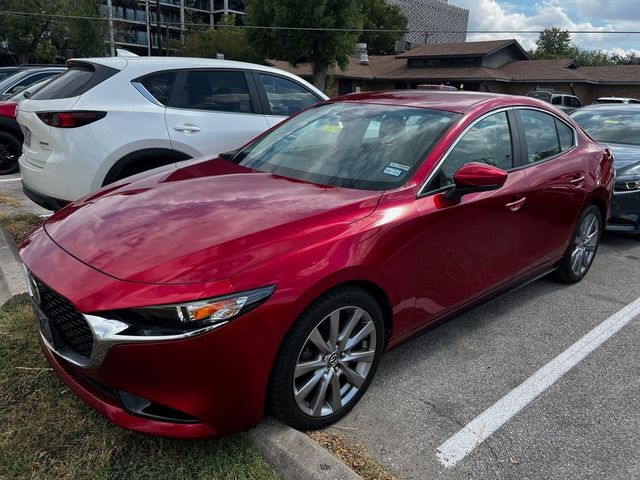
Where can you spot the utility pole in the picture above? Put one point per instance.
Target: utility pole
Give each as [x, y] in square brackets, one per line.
[158, 28]
[112, 43]
[146, 11]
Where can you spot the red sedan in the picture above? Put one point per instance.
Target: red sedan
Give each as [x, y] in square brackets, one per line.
[187, 301]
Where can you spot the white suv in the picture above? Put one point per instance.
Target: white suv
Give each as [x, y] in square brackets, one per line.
[108, 118]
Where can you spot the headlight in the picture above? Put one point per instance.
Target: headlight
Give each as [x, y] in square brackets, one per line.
[629, 180]
[165, 319]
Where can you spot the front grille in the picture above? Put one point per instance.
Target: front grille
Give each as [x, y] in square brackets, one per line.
[66, 321]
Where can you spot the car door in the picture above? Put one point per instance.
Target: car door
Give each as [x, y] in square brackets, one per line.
[282, 97]
[468, 248]
[556, 170]
[213, 111]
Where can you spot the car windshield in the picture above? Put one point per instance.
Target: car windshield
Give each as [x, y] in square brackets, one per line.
[611, 126]
[352, 145]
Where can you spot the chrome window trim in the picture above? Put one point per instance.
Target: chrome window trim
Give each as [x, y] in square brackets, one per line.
[146, 94]
[423, 193]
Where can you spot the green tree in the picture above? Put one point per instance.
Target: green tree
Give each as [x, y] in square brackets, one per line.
[43, 37]
[28, 36]
[553, 43]
[233, 43]
[85, 38]
[379, 15]
[322, 48]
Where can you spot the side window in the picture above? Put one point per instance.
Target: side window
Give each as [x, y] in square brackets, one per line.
[540, 132]
[488, 141]
[285, 96]
[575, 102]
[159, 85]
[557, 100]
[218, 90]
[565, 135]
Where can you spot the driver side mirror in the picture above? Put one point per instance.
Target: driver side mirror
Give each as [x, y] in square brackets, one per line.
[475, 177]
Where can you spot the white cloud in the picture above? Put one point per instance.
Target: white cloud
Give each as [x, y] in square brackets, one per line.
[494, 15]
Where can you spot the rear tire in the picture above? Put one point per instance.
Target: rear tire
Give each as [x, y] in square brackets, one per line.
[327, 360]
[582, 249]
[10, 150]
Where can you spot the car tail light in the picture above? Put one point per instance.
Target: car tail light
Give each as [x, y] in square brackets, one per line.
[70, 119]
[8, 109]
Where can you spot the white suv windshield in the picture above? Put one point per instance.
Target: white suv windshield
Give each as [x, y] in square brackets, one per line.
[353, 145]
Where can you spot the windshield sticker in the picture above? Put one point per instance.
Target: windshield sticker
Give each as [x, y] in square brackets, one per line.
[400, 166]
[396, 172]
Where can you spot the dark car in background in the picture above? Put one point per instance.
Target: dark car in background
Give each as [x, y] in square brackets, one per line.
[618, 127]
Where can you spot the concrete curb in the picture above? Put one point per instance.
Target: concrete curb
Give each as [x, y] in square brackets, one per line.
[12, 281]
[295, 456]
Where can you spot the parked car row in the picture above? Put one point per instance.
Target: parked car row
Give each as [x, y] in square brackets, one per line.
[109, 118]
[11, 136]
[187, 300]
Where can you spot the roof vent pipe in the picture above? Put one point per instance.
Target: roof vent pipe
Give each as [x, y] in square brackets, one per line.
[361, 49]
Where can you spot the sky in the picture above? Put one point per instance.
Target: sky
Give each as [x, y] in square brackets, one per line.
[601, 15]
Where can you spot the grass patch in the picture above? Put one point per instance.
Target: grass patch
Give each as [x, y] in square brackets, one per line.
[8, 200]
[20, 225]
[46, 432]
[354, 456]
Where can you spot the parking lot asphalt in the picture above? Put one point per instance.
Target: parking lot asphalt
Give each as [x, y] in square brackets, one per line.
[585, 425]
[13, 200]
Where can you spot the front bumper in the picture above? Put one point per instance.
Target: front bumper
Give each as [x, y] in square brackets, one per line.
[625, 212]
[197, 387]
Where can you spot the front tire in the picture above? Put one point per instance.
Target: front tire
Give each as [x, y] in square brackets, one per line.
[327, 359]
[582, 249]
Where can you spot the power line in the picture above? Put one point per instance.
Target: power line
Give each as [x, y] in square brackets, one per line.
[318, 29]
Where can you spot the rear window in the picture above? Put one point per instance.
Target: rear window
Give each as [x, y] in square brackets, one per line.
[77, 80]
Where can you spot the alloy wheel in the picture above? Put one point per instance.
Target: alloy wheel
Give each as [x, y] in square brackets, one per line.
[335, 361]
[585, 244]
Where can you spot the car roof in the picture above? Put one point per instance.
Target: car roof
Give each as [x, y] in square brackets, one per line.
[632, 107]
[616, 98]
[152, 64]
[457, 102]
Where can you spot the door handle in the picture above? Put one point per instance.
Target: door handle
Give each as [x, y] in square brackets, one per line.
[516, 204]
[577, 180]
[187, 128]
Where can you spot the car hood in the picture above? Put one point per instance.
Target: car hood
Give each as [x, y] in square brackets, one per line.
[626, 156]
[200, 223]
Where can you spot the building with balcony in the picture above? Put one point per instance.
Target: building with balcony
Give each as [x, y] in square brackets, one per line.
[151, 26]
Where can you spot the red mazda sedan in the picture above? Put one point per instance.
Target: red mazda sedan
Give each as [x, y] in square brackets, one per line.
[186, 302]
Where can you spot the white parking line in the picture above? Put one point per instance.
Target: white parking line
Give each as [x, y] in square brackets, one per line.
[484, 425]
